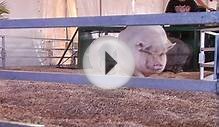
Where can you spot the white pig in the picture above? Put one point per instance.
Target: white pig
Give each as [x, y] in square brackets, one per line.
[149, 45]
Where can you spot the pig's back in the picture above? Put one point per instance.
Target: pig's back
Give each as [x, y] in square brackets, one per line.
[134, 34]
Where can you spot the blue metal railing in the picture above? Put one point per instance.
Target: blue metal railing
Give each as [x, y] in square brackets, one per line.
[124, 20]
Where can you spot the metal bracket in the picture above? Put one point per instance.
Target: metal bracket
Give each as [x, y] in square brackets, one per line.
[70, 43]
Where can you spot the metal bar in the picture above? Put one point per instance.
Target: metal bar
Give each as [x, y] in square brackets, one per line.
[202, 55]
[212, 33]
[66, 15]
[3, 52]
[216, 67]
[204, 65]
[37, 38]
[208, 49]
[173, 84]
[123, 20]
[216, 56]
[72, 39]
[17, 124]
[38, 57]
[11, 48]
[209, 65]
[66, 60]
[50, 52]
[168, 84]
[210, 29]
[100, 9]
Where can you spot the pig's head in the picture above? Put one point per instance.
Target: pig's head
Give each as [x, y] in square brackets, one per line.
[149, 45]
[152, 58]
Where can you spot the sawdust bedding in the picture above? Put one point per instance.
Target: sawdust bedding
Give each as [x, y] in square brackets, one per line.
[69, 105]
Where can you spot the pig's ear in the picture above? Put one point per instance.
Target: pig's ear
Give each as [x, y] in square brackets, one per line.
[170, 45]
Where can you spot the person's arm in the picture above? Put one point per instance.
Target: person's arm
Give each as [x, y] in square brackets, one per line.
[201, 3]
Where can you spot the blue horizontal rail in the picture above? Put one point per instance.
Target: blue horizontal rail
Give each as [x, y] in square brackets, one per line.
[146, 19]
[104, 21]
[168, 84]
[17, 124]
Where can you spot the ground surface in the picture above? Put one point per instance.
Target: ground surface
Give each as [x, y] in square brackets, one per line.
[71, 105]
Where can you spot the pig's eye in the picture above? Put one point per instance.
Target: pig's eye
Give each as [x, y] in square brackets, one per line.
[148, 52]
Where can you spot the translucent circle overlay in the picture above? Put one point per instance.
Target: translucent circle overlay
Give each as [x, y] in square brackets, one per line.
[94, 63]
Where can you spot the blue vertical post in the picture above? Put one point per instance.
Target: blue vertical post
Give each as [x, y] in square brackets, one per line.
[3, 52]
[216, 63]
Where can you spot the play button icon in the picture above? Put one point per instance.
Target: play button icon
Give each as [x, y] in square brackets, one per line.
[108, 63]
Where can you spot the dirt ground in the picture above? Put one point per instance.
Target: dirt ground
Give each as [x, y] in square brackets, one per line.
[69, 105]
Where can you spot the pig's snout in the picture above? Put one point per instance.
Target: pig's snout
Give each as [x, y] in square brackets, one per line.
[158, 66]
